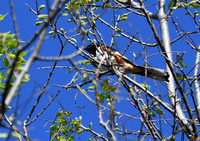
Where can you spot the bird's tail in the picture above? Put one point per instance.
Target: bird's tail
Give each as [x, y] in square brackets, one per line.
[154, 73]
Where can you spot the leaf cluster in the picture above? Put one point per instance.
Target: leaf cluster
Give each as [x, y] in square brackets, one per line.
[8, 53]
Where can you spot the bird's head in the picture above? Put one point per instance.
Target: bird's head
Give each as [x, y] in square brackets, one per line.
[92, 48]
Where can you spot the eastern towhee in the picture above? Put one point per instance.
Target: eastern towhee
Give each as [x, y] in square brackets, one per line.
[108, 57]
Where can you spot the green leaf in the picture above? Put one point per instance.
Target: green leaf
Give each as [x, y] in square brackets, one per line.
[105, 85]
[65, 131]
[42, 17]
[9, 36]
[84, 1]
[21, 61]
[94, 8]
[107, 97]
[6, 63]
[123, 17]
[170, 4]
[91, 87]
[177, 6]
[146, 86]
[67, 7]
[83, 17]
[16, 135]
[22, 54]
[179, 57]
[159, 111]
[61, 138]
[65, 14]
[62, 121]
[66, 113]
[72, 39]
[41, 7]
[112, 89]
[58, 114]
[195, 14]
[152, 114]
[178, 100]
[26, 78]
[90, 125]
[112, 44]
[71, 138]
[39, 23]
[54, 128]
[119, 30]
[2, 76]
[2, 17]
[172, 96]
[109, 104]
[116, 129]
[2, 87]
[69, 20]
[183, 64]
[51, 32]
[83, 23]
[75, 5]
[94, 82]
[106, 5]
[83, 91]
[11, 56]
[96, 17]
[97, 0]
[117, 35]
[194, 4]
[181, 77]
[11, 44]
[100, 97]
[3, 135]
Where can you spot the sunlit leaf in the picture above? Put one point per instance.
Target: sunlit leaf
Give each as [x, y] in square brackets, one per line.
[51, 32]
[54, 127]
[123, 17]
[65, 14]
[3, 135]
[39, 23]
[194, 4]
[62, 121]
[41, 7]
[26, 78]
[66, 113]
[146, 86]
[2, 17]
[42, 17]
[11, 55]
[61, 138]
[91, 87]
[72, 39]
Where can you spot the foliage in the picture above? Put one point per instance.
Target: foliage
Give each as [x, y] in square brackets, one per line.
[65, 128]
[123, 107]
[8, 52]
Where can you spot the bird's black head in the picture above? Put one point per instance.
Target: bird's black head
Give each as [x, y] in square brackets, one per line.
[92, 48]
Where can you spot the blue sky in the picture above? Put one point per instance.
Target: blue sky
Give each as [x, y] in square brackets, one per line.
[51, 47]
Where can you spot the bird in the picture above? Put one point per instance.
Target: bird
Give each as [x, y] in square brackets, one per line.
[108, 57]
